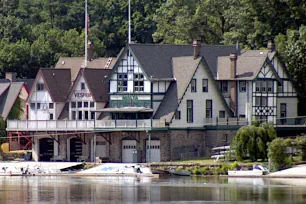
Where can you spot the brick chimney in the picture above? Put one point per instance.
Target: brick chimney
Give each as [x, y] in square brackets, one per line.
[271, 46]
[90, 51]
[11, 76]
[196, 48]
[233, 83]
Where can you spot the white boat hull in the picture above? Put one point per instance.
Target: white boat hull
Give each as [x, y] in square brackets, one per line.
[245, 173]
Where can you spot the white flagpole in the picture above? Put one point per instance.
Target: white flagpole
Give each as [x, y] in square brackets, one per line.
[129, 21]
[86, 33]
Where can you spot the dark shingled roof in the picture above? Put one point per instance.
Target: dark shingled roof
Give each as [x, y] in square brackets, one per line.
[58, 82]
[95, 81]
[155, 59]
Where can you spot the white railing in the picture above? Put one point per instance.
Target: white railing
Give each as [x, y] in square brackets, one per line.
[51, 125]
[70, 125]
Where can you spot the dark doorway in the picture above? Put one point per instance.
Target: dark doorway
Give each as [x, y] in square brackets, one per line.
[75, 149]
[46, 149]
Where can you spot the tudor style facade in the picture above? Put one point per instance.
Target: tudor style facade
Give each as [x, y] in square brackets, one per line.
[161, 102]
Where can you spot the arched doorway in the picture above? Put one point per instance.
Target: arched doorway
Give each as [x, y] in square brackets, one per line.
[74, 149]
[153, 151]
[128, 147]
[46, 149]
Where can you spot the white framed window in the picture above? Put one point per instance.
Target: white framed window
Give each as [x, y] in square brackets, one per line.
[138, 86]
[82, 86]
[224, 86]
[205, 85]
[178, 115]
[193, 85]
[51, 105]
[40, 87]
[242, 86]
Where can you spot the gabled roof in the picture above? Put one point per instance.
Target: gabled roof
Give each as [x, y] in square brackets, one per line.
[183, 70]
[8, 97]
[94, 79]
[155, 59]
[95, 82]
[57, 82]
[249, 64]
[75, 64]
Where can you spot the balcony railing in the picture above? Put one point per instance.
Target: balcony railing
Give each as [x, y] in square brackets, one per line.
[90, 125]
[70, 125]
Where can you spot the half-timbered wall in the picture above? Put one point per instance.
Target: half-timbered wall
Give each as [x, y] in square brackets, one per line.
[129, 77]
[41, 106]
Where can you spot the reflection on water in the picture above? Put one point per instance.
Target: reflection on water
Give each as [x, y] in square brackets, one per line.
[148, 190]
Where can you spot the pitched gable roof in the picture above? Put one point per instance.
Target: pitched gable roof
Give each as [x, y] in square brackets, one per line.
[8, 98]
[155, 59]
[249, 64]
[75, 63]
[58, 82]
[95, 82]
[183, 70]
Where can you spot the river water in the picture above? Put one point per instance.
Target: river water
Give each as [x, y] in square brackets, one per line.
[132, 190]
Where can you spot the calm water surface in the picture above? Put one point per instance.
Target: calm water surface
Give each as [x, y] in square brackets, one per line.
[124, 190]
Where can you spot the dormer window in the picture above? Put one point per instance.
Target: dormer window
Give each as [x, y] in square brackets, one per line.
[40, 87]
[82, 86]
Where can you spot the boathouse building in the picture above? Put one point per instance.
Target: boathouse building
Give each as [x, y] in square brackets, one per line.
[155, 102]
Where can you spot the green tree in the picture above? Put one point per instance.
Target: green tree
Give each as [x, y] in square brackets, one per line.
[252, 141]
[277, 154]
[292, 47]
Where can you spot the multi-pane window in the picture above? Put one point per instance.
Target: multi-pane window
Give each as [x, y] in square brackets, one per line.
[82, 86]
[224, 86]
[261, 101]
[80, 104]
[270, 86]
[205, 85]
[40, 87]
[264, 86]
[178, 115]
[222, 114]
[138, 82]
[193, 85]
[73, 104]
[138, 86]
[73, 115]
[122, 82]
[51, 105]
[242, 86]
[92, 115]
[279, 87]
[189, 111]
[92, 104]
[208, 108]
[86, 115]
[283, 112]
[257, 88]
[85, 104]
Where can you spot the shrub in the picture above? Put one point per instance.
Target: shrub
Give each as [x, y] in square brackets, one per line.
[277, 154]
